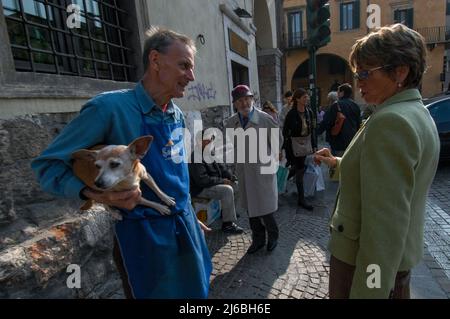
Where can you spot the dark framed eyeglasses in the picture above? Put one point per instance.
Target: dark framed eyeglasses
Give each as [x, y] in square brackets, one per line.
[364, 74]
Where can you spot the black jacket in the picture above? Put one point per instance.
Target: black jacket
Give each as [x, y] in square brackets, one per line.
[293, 128]
[203, 175]
[351, 124]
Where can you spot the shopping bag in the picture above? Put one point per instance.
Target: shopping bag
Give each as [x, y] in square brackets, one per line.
[309, 181]
[313, 179]
[320, 184]
[282, 175]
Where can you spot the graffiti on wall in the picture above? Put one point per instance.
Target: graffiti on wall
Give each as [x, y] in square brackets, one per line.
[201, 92]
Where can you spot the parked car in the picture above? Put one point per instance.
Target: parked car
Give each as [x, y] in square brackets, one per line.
[440, 112]
[437, 97]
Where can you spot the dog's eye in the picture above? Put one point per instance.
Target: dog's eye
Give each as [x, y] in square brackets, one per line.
[98, 166]
[114, 165]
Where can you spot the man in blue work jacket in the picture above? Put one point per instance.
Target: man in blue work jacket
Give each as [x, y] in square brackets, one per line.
[157, 256]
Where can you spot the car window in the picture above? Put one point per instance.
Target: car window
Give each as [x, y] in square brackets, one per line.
[441, 111]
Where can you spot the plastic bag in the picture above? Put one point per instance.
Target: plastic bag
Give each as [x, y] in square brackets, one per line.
[313, 179]
[320, 184]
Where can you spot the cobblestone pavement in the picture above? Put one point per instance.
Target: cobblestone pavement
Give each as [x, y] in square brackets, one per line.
[298, 267]
[437, 228]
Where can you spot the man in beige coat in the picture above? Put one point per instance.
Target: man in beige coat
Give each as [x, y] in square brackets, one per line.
[257, 183]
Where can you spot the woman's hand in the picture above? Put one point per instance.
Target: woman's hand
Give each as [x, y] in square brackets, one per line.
[324, 155]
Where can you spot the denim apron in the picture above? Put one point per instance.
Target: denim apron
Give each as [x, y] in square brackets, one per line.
[165, 256]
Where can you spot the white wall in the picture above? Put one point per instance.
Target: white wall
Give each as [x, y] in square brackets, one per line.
[193, 18]
[213, 83]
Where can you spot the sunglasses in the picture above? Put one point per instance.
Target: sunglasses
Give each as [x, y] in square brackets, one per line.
[364, 74]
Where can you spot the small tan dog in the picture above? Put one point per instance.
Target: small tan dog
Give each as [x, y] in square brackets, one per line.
[118, 168]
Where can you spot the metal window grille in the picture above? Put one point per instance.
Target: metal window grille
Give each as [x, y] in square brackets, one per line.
[41, 40]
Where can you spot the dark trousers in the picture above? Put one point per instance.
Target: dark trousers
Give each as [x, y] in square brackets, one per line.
[118, 260]
[259, 229]
[299, 166]
[341, 278]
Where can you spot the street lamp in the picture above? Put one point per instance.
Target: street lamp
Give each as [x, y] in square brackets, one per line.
[242, 13]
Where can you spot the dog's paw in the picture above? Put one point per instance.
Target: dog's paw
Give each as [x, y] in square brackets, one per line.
[164, 210]
[169, 201]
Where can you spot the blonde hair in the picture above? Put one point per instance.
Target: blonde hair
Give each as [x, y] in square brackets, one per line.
[392, 46]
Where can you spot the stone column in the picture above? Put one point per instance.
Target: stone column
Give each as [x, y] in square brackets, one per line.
[269, 73]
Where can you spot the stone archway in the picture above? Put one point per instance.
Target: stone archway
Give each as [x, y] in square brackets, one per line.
[330, 69]
[269, 56]
[264, 26]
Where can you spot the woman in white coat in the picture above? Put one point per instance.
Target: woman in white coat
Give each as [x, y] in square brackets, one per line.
[257, 182]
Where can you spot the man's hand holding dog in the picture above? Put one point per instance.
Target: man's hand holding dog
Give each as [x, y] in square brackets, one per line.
[126, 199]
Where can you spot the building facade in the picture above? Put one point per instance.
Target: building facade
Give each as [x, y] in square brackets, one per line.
[54, 56]
[353, 19]
[43, 59]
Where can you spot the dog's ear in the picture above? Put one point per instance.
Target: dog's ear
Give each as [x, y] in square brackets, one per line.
[140, 146]
[85, 155]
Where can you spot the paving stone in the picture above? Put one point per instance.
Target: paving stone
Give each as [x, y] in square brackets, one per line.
[299, 267]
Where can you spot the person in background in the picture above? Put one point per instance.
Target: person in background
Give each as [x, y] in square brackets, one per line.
[332, 98]
[271, 110]
[352, 121]
[299, 141]
[386, 172]
[286, 108]
[214, 180]
[257, 190]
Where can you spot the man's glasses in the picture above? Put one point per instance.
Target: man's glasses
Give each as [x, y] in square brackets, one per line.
[364, 74]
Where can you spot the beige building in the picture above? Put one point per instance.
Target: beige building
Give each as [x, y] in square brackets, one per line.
[352, 19]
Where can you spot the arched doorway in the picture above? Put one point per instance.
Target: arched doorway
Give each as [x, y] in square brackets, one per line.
[269, 56]
[331, 71]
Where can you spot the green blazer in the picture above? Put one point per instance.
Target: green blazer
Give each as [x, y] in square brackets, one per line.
[384, 176]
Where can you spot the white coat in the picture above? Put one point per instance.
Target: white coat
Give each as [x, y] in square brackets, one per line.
[257, 192]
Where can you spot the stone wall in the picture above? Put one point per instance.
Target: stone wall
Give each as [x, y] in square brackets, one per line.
[215, 116]
[40, 235]
[269, 70]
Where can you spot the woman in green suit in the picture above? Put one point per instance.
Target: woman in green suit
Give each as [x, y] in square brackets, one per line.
[385, 173]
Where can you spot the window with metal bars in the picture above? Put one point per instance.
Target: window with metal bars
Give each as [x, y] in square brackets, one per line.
[42, 42]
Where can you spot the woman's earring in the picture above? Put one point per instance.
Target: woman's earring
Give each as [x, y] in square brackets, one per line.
[399, 85]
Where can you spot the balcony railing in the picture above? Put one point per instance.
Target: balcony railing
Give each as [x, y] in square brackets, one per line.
[296, 40]
[434, 35]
